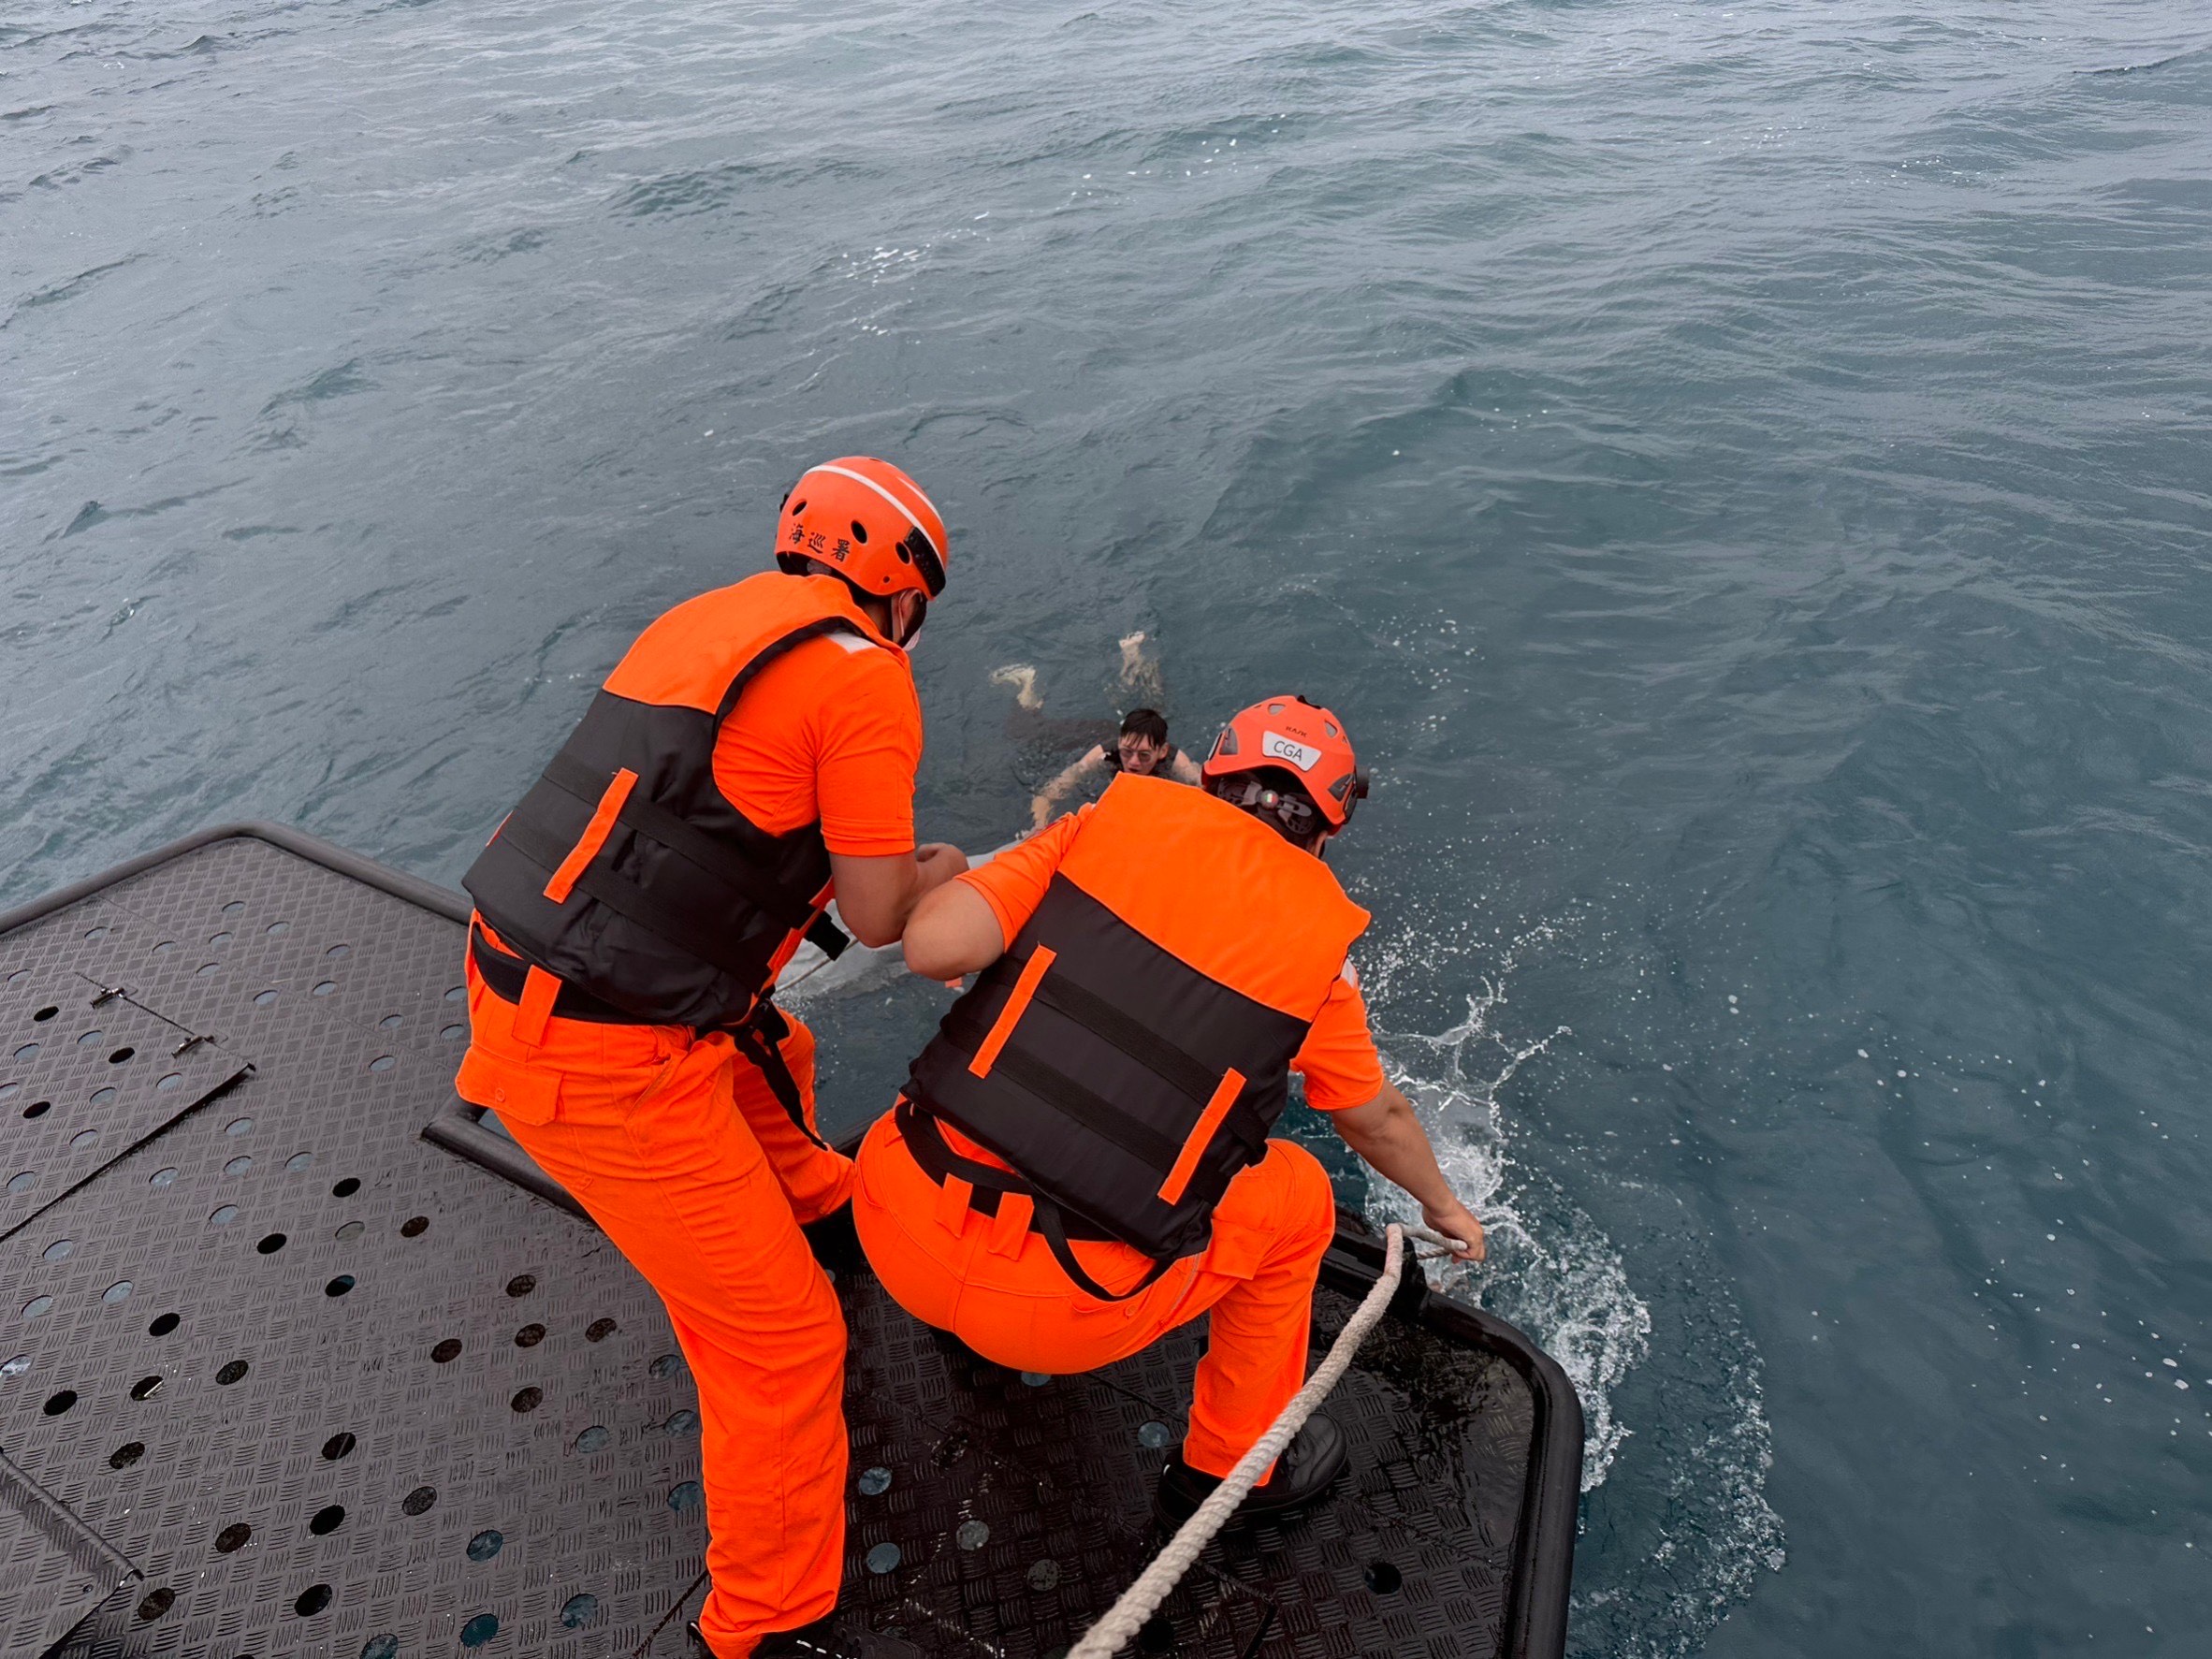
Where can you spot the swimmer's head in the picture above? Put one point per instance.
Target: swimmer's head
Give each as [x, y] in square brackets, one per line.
[1143, 741]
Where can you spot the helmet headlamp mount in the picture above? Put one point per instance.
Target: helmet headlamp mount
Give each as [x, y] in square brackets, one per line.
[1295, 816]
[1300, 746]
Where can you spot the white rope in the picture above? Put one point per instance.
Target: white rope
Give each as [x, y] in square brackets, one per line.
[1140, 1600]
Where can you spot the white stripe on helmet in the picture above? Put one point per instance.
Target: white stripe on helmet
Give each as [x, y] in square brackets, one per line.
[905, 511]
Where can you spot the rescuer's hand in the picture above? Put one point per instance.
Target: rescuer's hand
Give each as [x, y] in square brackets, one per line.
[1386, 1133]
[877, 894]
[1456, 1221]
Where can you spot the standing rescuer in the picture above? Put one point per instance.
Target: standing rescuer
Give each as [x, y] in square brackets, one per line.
[1080, 1161]
[751, 756]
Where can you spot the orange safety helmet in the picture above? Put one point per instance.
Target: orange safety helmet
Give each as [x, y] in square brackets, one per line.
[1290, 735]
[867, 521]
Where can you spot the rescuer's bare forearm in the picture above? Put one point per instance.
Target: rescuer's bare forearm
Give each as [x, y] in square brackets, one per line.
[877, 896]
[1389, 1138]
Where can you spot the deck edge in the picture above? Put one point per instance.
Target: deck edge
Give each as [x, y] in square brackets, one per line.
[415, 891]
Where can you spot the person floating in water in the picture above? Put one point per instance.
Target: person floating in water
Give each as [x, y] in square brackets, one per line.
[1141, 751]
[1080, 1161]
[1140, 748]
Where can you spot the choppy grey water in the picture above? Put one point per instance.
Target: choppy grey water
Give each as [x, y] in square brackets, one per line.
[1740, 469]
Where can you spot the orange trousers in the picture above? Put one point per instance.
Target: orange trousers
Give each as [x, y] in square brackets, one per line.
[691, 1166]
[998, 1289]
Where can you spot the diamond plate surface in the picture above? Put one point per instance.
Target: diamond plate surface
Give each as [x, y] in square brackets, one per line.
[86, 1073]
[310, 1417]
[1019, 1505]
[337, 1391]
[53, 1569]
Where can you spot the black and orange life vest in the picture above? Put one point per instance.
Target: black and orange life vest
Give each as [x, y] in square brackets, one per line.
[625, 872]
[1129, 1052]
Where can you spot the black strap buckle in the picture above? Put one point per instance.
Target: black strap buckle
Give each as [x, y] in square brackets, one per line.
[938, 1161]
[758, 1038]
[508, 975]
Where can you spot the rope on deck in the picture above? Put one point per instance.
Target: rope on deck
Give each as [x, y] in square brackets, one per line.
[1140, 1600]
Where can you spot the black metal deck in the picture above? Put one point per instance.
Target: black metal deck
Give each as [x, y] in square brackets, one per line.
[279, 1377]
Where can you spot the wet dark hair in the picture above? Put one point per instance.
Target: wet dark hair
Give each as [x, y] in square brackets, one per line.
[1147, 723]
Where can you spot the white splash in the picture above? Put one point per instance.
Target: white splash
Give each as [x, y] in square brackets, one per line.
[1697, 1505]
[1717, 1531]
[1565, 1285]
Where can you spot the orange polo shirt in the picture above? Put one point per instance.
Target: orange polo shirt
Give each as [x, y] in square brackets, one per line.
[831, 730]
[1337, 1059]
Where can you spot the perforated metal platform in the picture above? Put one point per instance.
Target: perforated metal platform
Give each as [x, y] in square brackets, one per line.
[300, 1381]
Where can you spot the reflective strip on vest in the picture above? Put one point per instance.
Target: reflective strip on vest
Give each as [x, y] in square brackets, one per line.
[1016, 1005]
[659, 896]
[1201, 1137]
[593, 839]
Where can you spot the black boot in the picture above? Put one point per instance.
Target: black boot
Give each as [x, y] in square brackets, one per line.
[817, 1641]
[1308, 1465]
[825, 1639]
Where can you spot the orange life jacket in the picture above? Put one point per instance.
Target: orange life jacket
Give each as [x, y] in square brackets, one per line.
[625, 872]
[1128, 1053]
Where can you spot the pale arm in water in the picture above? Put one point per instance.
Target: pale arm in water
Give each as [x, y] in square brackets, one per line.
[1041, 805]
[1390, 1139]
[877, 896]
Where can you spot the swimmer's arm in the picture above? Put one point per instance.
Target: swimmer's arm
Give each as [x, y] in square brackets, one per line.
[1040, 806]
[1186, 769]
[954, 932]
[876, 896]
[1390, 1139]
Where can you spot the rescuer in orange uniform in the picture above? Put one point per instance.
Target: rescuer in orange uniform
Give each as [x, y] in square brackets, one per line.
[751, 756]
[1079, 1160]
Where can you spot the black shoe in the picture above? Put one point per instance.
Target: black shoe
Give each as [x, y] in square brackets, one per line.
[1308, 1465]
[818, 1640]
[825, 1639]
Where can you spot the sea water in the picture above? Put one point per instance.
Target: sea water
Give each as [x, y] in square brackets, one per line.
[1740, 469]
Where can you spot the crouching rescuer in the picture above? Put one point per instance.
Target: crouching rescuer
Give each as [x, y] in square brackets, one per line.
[751, 756]
[1080, 1161]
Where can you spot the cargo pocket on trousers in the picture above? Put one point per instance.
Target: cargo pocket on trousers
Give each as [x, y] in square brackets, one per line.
[1237, 1251]
[518, 1093]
